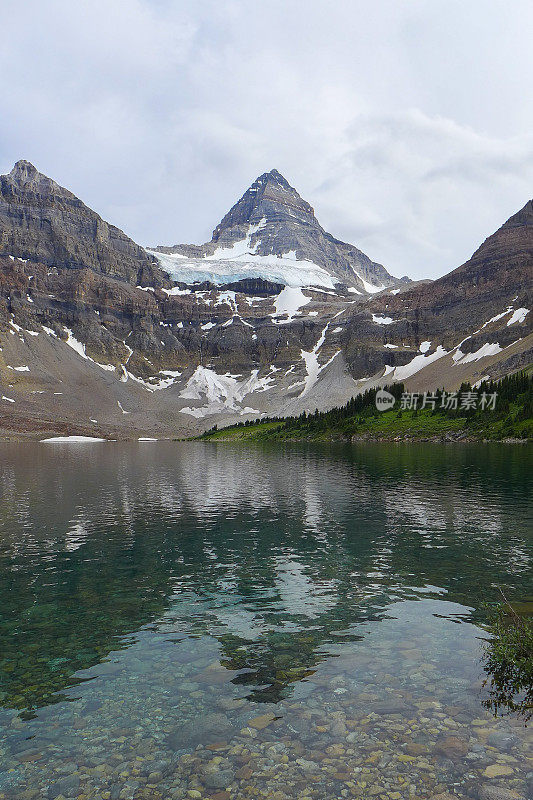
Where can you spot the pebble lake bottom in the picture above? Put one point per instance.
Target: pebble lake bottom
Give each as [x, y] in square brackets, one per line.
[199, 620]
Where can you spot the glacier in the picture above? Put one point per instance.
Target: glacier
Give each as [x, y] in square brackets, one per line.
[286, 269]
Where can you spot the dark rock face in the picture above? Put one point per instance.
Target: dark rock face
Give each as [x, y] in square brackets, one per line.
[43, 221]
[278, 221]
[255, 287]
[164, 331]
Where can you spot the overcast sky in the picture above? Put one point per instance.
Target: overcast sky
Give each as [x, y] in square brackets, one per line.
[407, 124]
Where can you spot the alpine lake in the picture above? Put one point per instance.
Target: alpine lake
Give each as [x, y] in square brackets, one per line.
[239, 622]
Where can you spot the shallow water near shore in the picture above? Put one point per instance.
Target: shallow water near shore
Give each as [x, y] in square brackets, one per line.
[194, 620]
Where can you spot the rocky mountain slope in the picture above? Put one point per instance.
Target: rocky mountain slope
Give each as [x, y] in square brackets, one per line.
[95, 339]
[479, 314]
[272, 232]
[41, 220]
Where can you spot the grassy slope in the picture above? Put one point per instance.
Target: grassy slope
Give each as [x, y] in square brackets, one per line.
[234, 433]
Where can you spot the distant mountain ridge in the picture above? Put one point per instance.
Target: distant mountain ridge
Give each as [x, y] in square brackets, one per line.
[275, 233]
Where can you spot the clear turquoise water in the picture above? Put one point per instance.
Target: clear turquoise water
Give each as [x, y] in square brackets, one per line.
[157, 597]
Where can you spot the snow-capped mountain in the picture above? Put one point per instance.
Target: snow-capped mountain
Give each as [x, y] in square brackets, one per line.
[95, 339]
[272, 233]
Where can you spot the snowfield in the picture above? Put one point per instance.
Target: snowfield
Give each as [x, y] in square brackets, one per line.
[518, 316]
[312, 366]
[416, 364]
[289, 301]
[488, 349]
[379, 320]
[221, 393]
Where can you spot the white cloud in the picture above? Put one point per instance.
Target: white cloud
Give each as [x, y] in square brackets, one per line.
[423, 192]
[405, 124]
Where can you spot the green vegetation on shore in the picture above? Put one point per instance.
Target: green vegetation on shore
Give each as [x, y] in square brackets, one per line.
[509, 659]
[507, 415]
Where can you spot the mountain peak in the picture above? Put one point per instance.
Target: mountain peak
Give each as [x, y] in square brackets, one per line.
[23, 167]
[269, 197]
[42, 221]
[522, 217]
[274, 176]
[273, 231]
[25, 176]
[24, 172]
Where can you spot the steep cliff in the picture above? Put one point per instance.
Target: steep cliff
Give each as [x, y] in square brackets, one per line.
[43, 221]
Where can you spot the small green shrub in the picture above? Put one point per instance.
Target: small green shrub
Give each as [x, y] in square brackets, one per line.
[509, 662]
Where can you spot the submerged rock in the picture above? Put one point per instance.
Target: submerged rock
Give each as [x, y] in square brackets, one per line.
[490, 792]
[451, 747]
[218, 774]
[497, 771]
[203, 730]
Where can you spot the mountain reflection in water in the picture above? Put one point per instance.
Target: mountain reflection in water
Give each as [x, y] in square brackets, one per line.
[282, 555]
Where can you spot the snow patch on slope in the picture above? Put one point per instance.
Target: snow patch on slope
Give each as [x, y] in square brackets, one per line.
[518, 316]
[79, 348]
[369, 287]
[382, 320]
[496, 318]
[312, 366]
[417, 363]
[221, 393]
[488, 349]
[289, 301]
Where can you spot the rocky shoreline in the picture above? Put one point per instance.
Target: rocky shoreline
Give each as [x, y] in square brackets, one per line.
[458, 438]
[333, 740]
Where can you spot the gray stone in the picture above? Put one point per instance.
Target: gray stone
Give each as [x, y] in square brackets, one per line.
[218, 776]
[491, 792]
[206, 729]
[307, 766]
[502, 741]
[68, 786]
[389, 707]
